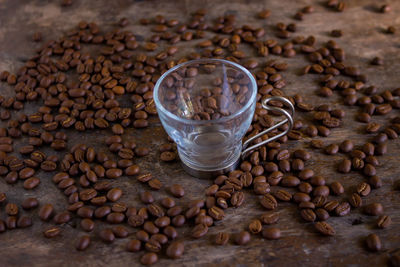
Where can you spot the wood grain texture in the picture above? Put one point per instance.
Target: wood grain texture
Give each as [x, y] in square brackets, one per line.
[300, 245]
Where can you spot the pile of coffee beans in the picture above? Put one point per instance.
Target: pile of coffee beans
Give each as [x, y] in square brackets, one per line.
[75, 90]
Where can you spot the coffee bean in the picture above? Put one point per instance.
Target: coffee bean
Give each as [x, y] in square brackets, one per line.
[324, 228]
[242, 238]
[337, 188]
[52, 232]
[271, 233]
[31, 183]
[308, 215]
[322, 214]
[175, 250]
[269, 202]
[83, 243]
[167, 156]
[62, 217]
[384, 221]
[24, 222]
[344, 166]
[355, 200]
[133, 245]
[46, 212]
[373, 209]
[255, 226]
[342, 209]
[177, 190]
[363, 189]
[149, 258]
[199, 230]
[30, 203]
[107, 235]
[283, 195]
[373, 242]
[222, 238]
[114, 194]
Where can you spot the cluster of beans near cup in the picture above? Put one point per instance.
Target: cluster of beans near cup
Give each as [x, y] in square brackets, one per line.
[125, 66]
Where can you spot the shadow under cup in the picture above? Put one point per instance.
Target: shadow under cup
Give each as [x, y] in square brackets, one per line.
[206, 106]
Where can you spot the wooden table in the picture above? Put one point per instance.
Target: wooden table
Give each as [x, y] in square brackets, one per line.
[363, 39]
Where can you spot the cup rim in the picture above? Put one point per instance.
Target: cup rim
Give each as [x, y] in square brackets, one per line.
[160, 106]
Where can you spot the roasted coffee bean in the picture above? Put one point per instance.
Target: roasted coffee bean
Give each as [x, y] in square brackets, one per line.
[87, 225]
[142, 236]
[83, 243]
[373, 209]
[345, 166]
[114, 194]
[177, 190]
[375, 181]
[308, 215]
[283, 195]
[107, 235]
[167, 156]
[271, 233]
[216, 213]
[337, 188]
[199, 230]
[222, 238]
[322, 214]
[175, 250]
[255, 226]
[24, 222]
[342, 209]
[363, 189]
[269, 202]
[373, 242]
[46, 212]
[31, 183]
[11, 209]
[133, 245]
[384, 221]
[30, 203]
[62, 217]
[51, 232]
[324, 228]
[149, 258]
[242, 238]
[269, 218]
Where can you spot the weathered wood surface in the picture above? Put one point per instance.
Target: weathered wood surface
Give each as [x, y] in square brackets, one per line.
[300, 246]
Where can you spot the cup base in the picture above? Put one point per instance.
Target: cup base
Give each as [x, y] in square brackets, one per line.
[207, 174]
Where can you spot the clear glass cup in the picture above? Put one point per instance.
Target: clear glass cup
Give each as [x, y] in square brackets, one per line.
[206, 106]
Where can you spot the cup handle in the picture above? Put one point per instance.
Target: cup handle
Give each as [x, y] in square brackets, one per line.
[288, 120]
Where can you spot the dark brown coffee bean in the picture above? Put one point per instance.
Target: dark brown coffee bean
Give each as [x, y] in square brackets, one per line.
[269, 202]
[51, 232]
[222, 238]
[344, 166]
[45, 212]
[149, 258]
[133, 245]
[375, 181]
[83, 243]
[308, 215]
[31, 183]
[373, 242]
[107, 235]
[24, 222]
[62, 217]
[283, 195]
[363, 189]
[199, 230]
[242, 238]
[322, 214]
[271, 233]
[114, 194]
[175, 250]
[255, 226]
[30, 203]
[177, 190]
[384, 221]
[48, 165]
[167, 156]
[337, 188]
[373, 209]
[324, 228]
[87, 225]
[216, 213]
[301, 197]
[120, 231]
[342, 209]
